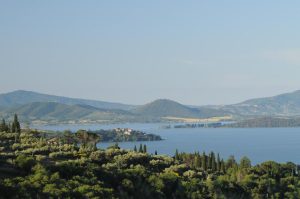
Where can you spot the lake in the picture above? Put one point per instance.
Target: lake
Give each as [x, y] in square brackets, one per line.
[259, 144]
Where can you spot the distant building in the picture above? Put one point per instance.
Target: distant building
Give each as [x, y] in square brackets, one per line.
[125, 131]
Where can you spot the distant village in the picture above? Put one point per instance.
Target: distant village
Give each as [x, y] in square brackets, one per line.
[125, 131]
[125, 135]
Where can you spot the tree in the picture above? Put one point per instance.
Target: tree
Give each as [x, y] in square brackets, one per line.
[17, 123]
[155, 153]
[9, 128]
[222, 167]
[3, 126]
[203, 161]
[230, 163]
[197, 161]
[87, 138]
[15, 127]
[25, 162]
[93, 139]
[245, 163]
[145, 148]
[135, 149]
[82, 136]
[176, 155]
[69, 138]
[218, 163]
[209, 161]
[141, 148]
[213, 161]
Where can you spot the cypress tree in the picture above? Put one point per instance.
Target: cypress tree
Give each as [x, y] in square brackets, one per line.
[3, 126]
[9, 130]
[141, 148]
[209, 161]
[17, 124]
[218, 163]
[135, 149]
[155, 153]
[222, 166]
[213, 161]
[6, 128]
[197, 161]
[13, 127]
[145, 148]
[203, 162]
[230, 163]
[176, 155]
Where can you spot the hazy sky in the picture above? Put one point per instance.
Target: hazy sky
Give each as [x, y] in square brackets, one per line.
[195, 52]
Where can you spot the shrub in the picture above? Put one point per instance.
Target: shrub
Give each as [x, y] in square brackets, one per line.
[25, 162]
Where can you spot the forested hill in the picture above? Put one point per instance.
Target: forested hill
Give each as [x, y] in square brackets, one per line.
[22, 97]
[287, 104]
[165, 108]
[41, 108]
[35, 106]
[57, 112]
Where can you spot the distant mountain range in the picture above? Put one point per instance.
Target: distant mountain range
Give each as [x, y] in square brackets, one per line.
[22, 97]
[287, 104]
[32, 106]
[169, 108]
[57, 112]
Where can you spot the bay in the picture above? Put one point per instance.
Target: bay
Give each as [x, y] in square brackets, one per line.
[259, 144]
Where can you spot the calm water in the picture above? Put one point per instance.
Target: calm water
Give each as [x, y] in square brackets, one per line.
[260, 144]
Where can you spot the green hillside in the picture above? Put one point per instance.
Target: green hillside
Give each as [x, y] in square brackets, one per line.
[281, 105]
[62, 112]
[165, 108]
[36, 106]
[153, 112]
[21, 97]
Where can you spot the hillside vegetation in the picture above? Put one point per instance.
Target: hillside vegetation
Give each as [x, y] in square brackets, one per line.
[54, 109]
[287, 104]
[33, 165]
[169, 108]
[22, 97]
[35, 107]
[57, 112]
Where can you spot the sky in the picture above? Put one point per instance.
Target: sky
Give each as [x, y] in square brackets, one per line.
[194, 52]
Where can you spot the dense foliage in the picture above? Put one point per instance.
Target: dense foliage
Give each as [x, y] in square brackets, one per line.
[33, 165]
